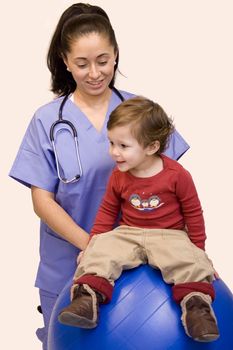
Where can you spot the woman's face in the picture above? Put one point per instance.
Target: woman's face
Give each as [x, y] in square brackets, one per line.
[91, 62]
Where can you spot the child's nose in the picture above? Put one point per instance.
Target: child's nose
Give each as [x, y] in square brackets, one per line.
[114, 151]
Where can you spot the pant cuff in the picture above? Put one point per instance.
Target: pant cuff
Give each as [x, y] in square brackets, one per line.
[97, 283]
[180, 290]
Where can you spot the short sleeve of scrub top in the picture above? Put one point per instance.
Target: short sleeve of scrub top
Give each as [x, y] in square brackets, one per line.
[34, 163]
[177, 146]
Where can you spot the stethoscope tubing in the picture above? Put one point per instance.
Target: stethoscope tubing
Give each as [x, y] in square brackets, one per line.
[60, 120]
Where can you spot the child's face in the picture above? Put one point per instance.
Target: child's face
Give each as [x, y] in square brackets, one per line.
[125, 150]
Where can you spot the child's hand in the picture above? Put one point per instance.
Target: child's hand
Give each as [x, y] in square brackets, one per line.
[79, 257]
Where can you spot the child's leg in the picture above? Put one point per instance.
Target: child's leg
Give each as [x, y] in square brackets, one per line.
[106, 256]
[191, 272]
[102, 263]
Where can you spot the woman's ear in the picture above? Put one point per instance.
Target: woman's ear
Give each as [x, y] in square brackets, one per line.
[65, 62]
[153, 147]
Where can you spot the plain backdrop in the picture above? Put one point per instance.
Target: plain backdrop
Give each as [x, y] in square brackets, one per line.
[177, 52]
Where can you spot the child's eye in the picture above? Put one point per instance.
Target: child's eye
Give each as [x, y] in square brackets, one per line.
[123, 145]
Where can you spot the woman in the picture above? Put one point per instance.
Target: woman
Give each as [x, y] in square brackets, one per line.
[67, 181]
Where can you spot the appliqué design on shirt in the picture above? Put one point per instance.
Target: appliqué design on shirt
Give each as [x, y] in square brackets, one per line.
[153, 202]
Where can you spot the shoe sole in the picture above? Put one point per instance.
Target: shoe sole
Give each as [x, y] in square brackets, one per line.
[70, 319]
[207, 338]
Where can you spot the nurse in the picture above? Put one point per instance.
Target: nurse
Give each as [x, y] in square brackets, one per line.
[83, 59]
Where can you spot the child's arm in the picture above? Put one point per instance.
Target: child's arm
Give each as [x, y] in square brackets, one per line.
[191, 209]
[110, 208]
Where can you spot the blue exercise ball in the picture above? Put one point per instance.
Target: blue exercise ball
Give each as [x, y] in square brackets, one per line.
[141, 316]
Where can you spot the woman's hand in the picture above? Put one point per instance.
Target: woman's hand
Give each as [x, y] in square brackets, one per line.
[52, 214]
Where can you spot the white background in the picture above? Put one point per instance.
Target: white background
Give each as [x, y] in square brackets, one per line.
[177, 52]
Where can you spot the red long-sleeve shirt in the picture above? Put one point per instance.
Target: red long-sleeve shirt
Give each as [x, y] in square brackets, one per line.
[167, 200]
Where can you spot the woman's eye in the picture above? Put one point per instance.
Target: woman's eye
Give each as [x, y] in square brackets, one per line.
[81, 64]
[103, 63]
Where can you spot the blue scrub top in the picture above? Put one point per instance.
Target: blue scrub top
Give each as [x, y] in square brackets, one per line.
[35, 165]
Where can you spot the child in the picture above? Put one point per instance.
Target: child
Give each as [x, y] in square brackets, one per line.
[161, 224]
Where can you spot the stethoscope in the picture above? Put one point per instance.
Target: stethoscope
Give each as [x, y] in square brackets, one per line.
[60, 121]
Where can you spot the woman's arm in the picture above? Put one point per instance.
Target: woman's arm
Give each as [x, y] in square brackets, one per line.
[57, 218]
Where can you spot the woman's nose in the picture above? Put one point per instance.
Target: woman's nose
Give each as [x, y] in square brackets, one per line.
[94, 72]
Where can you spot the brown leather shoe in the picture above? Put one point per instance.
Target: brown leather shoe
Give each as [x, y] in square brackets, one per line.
[198, 317]
[83, 311]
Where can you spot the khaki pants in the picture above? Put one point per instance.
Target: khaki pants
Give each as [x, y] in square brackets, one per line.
[170, 251]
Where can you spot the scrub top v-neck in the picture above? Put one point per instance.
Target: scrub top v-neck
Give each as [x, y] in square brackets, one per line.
[97, 135]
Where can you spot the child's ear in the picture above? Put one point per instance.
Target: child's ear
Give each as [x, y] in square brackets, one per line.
[153, 147]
